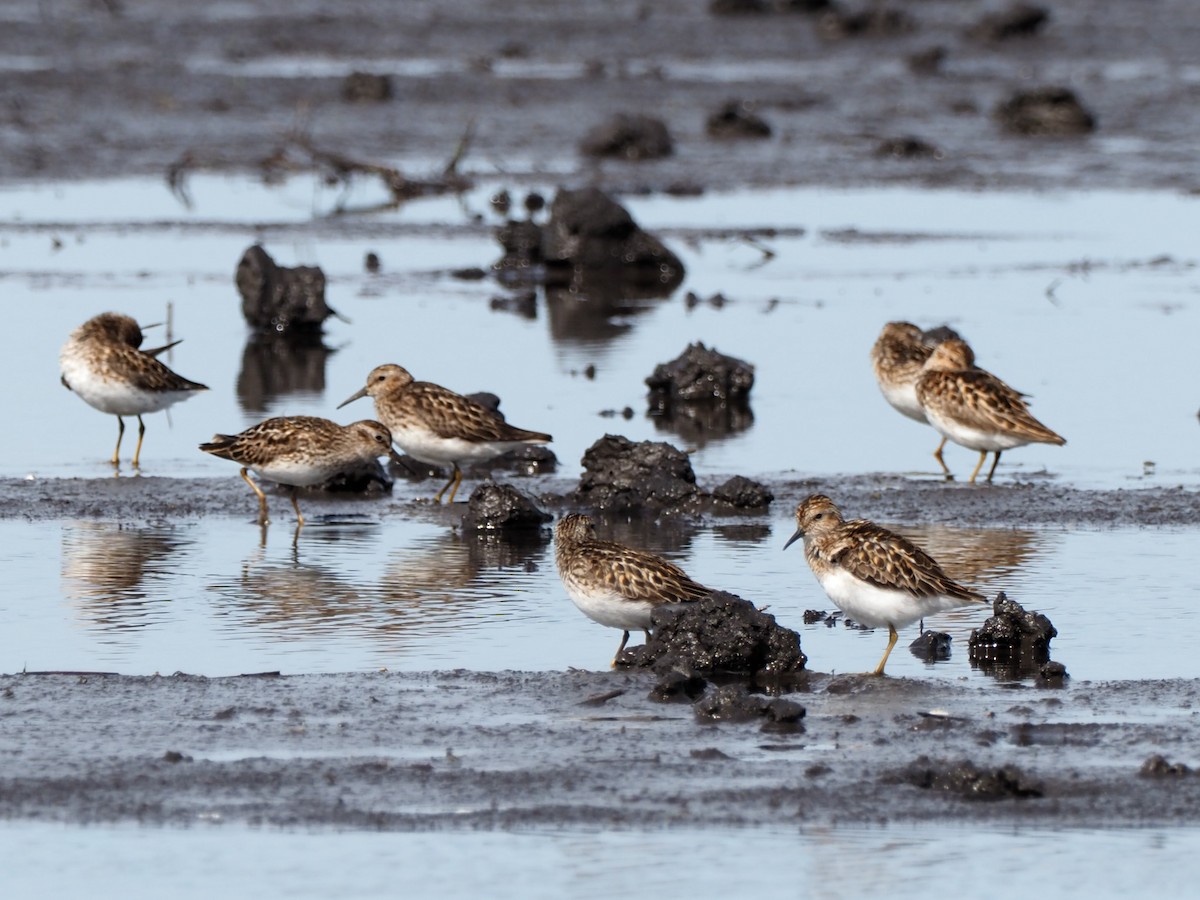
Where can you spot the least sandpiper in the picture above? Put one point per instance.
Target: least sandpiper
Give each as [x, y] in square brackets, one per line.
[300, 451]
[435, 425]
[976, 409]
[101, 363]
[616, 585]
[872, 574]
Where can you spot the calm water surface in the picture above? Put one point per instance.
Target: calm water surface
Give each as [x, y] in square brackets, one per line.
[1088, 302]
[207, 598]
[898, 861]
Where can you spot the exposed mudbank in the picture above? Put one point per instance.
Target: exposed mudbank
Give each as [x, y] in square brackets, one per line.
[445, 750]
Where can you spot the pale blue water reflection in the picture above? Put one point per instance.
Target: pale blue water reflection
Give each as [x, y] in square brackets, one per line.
[1088, 302]
[771, 862]
[208, 598]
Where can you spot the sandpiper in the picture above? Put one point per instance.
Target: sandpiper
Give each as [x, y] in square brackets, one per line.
[974, 408]
[435, 425]
[300, 451]
[872, 574]
[613, 584]
[101, 363]
[898, 356]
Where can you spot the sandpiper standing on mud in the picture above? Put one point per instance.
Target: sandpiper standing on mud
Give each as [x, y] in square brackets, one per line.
[300, 451]
[616, 585]
[872, 574]
[437, 426]
[101, 363]
[976, 409]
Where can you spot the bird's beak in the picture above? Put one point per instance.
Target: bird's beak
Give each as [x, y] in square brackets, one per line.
[361, 393]
[795, 537]
[395, 457]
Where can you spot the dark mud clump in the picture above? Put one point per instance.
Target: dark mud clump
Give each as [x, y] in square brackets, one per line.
[589, 238]
[701, 394]
[626, 136]
[501, 507]
[1045, 112]
[280, 300]
[908, 148]
[965, 779]
[734, 703]
[835, 24]
[364, 477]
[1013, 643]
[1021, 20]
[1158, 766]
[721, 634]
[737, 120]
[740, 492]
[931, 646]
[366, 87]
[623, 476]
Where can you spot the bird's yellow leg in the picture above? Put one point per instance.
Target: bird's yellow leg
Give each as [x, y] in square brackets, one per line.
[116, 460]
[296, 507]
[995, 463]
[456, 480]
[892, 637]
[979, 465]
[937, 454]
[262, 498]
[141, 434]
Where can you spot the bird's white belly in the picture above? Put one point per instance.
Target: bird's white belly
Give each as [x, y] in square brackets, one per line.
[423, 444]
[878, 607]
[113, 396]
[973, 438]
[903, 397]
[291, 472]
[609, 608]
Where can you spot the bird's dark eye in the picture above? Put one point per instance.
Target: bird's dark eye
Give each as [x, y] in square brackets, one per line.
[818, 516]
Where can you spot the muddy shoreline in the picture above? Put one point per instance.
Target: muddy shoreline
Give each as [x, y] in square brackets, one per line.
[170, 88]
[480, 750]
[502, 750]
[885, 497]
[97, 90]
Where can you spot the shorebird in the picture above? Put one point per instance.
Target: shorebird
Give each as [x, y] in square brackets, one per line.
[874, 575]
[101, 363]
[976, 409]
[300, 451]
[435, 425]
[616, 585]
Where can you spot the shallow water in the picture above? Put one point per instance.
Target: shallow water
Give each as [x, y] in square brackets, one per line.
[1088, 302]
[207, 598]
[895, 861]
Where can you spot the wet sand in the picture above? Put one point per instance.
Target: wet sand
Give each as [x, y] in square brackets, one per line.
[169, 83]
[511, 749]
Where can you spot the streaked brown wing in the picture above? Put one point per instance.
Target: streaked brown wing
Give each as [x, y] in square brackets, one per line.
[452, 415]
[885, 559]
[636, 575]
[142, 371]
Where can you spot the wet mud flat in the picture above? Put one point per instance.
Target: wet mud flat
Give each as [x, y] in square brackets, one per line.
[472, 750]
[888, 497]
[749, 93]
[483, 750]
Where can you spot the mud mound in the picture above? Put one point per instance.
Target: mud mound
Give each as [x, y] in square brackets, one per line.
[721, 634]
[1045, 112]
[622, 475]
[280, 300]
[733, 703]
[966, 780]
[501, 507]
[1013, 643]
[630, 137]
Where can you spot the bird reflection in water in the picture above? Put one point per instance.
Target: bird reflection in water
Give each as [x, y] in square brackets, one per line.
[332, 583]
[117, 575]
